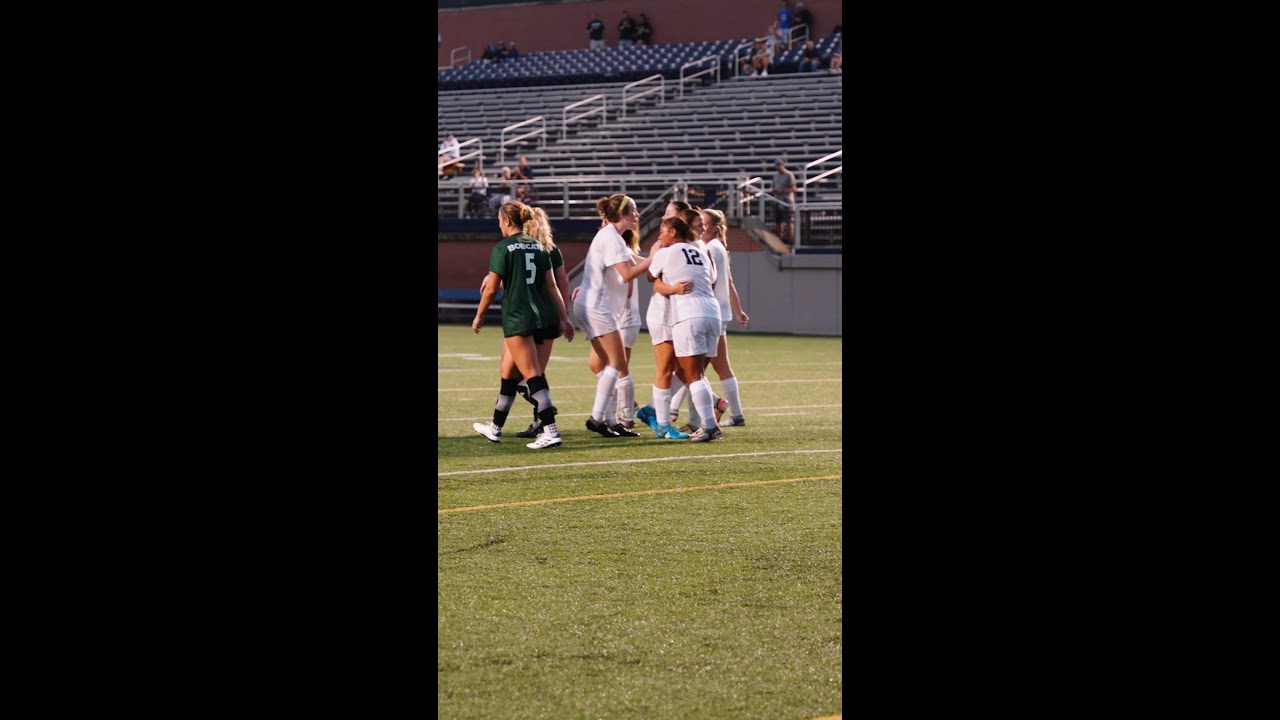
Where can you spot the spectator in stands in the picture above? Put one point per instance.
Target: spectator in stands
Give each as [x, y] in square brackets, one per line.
[595, 33]
[490, 53]
[644, 31]
[449, 151]
[528, 309]
[837, 57]
[505, 191]
[626, 30]
[706, 193]
[479, 185]
[524, 194]
[784, 188]
[512, 50]
[759, 61]
[523, 171]
[504, 52]
[785, 15]
[804, 17]
[773, 39]
[811, 61]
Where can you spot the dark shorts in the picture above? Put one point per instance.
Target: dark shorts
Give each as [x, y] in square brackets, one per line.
[541, 335]
[784, 213]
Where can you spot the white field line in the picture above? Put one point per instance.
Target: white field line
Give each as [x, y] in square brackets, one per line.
[584, 387]
[634, 366]
[559, 415]
[633, 493]
[636, 460]
[780, 414]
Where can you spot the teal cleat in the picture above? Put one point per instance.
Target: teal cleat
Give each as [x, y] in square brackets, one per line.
[668, 432]
[648, 417]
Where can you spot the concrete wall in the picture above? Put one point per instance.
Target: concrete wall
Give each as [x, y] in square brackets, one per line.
[538, 28]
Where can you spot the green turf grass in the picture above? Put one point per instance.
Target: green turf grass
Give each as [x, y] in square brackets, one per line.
[712, 603]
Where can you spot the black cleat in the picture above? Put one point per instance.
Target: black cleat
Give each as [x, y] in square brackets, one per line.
[623, 431]
[598, 427]
[532, 431]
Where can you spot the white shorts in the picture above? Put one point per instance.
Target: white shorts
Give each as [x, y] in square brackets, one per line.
[660, 334]
[629, 335]
[696, 336]
[593, 323]
[724, 328]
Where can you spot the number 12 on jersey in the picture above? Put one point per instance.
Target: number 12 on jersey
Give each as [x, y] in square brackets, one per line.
[691, 257]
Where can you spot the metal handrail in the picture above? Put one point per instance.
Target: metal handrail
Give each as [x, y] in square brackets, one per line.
[700, 73]
[804, 185]
[502, 148]
[564, 122]
[791, 35]
[479, 152]
[662, 88]
[453, 55]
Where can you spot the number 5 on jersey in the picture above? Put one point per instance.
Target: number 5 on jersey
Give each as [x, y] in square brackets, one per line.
[528, 265]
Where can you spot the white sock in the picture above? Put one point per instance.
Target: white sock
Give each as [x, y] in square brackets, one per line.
[730, 389]
[662, 405]
[611, 407]
[678, 393]
[626, 388]
[701, 391]
[604, 387]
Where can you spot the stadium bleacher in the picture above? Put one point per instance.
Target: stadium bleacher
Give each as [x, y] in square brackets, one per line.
[571, 67]
[713, 130]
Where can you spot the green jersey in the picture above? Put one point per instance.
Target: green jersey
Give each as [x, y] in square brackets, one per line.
[526, 299]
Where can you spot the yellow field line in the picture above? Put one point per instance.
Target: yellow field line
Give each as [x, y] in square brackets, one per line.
[522, 503]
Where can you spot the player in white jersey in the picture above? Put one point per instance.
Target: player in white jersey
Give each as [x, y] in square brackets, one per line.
[679, 390]
[601, 298]
[619, 410]
[730, 307]
[694, 317]
[657, 414]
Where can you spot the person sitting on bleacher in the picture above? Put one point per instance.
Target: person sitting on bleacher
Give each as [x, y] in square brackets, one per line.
[811, 59]
[759, 61]
[504, 193]
[479, 185]
[449, 151]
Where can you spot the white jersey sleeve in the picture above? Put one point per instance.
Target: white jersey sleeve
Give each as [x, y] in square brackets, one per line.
[720, 256]
[598, 289]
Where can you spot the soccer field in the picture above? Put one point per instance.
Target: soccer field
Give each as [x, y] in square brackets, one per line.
[638, 577]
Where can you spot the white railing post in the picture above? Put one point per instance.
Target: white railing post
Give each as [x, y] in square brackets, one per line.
[662, 88]
[565, 119]
[700, 73]
[791, 35]
[804, 176]
[504, 142]
[454, 55]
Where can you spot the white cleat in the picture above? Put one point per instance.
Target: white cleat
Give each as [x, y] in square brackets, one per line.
[550, 438]
[489, 430]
